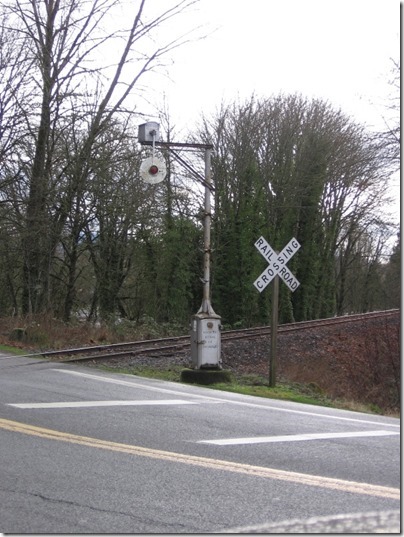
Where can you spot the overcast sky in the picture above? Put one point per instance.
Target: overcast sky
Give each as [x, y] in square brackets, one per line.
[340, 51]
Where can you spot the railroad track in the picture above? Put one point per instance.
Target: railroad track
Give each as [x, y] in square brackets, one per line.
[172, 344]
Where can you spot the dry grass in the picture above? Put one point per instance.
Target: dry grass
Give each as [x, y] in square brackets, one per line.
[360, 363]
[43, 332]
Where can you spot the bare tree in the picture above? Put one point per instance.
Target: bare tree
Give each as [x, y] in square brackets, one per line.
[65, 42]
[15, 98]
[391, 137]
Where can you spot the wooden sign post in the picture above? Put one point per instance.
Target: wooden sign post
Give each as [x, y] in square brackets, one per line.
[275, 269]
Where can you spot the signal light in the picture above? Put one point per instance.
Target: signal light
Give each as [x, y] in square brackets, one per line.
[153, 170]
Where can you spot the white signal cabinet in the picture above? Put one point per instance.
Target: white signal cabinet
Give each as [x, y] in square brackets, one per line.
[205, 341]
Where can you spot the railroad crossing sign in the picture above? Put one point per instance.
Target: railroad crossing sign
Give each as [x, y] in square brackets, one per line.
[277, 264]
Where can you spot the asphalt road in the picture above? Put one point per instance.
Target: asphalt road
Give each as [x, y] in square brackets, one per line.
[85, 451]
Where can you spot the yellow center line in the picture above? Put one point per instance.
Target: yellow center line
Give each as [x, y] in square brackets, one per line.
[215, 464]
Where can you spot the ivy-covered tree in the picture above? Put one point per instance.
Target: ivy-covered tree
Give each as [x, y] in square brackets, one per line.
[287, 167]
[391, 278]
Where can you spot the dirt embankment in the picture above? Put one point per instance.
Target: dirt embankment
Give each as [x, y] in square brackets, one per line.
[357, 361]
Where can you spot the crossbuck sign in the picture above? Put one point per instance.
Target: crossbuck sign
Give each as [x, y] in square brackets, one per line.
[277, 264]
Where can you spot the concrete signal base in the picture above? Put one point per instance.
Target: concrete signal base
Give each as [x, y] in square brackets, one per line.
[206, 376]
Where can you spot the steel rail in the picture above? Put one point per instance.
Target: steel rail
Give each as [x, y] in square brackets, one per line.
[180, 342]
[159, 345]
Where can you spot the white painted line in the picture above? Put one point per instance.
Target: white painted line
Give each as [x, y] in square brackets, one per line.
[263, 406]
[316, 414]
[131, 384]
[85, 404]
[294, 438]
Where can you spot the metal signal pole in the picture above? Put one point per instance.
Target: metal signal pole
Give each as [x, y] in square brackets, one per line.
[205, 324]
